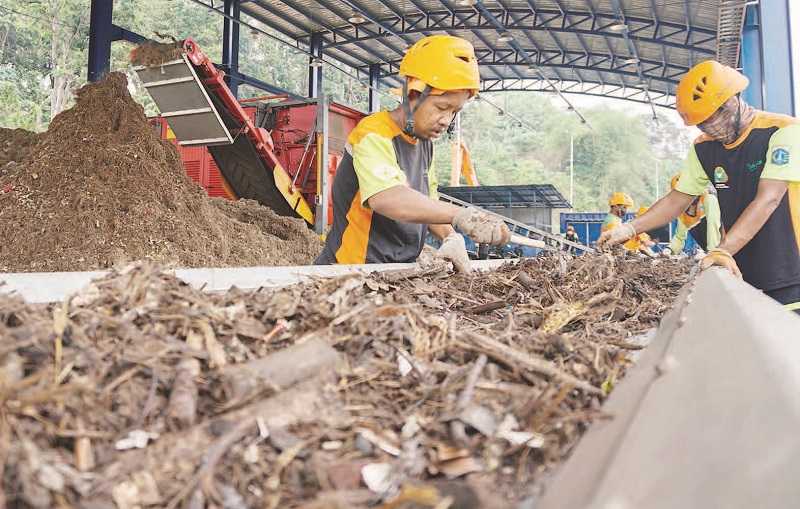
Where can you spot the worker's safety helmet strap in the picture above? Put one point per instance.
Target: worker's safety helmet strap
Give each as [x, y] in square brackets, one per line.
[442, 62]
[705, 88]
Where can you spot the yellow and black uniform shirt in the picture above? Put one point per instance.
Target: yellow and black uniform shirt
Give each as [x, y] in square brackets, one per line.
[378, 156]
[768, 149]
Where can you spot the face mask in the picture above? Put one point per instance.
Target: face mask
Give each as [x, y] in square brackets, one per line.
[726, 124]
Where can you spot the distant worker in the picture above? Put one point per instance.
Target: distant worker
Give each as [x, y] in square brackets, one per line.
[641, 243]
[753, 160]
[385, 196]
[701, 217]
[572, 236]
[618, 204]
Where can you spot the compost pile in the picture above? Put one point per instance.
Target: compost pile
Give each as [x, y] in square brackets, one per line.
[100, 188]
[15, 144]
[416, 388]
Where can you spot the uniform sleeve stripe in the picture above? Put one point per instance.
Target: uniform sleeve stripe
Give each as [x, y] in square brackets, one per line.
[355, 239]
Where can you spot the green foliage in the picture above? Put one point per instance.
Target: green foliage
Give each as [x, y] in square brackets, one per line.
[621, 151]
[44, 51]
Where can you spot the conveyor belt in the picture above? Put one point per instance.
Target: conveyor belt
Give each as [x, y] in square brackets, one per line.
[201, 110]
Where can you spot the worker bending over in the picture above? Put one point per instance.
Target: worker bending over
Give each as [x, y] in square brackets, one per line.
[385, 197]
[753, 160]
[618, 206]
[641, 242]
[701, 217]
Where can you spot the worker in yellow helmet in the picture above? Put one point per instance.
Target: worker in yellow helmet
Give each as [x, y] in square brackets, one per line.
[385, 196]
[642, 242]
[701, 217]
[752, 158]
[618, 204]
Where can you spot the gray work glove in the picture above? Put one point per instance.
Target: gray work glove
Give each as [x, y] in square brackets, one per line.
[616, 235]
[481, 227]
[454, 250]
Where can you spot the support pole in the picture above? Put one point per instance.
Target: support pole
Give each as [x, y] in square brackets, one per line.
[314, 69]
[101, 32]
[456, 155]
[323, 184]
[572, 171]
[752, 65]
[776, 45]
[230, 45]
[374, 99]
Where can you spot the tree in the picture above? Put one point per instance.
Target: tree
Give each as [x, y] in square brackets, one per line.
[43, 44]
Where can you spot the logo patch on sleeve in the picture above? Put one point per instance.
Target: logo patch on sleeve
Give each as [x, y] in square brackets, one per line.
[780, 156]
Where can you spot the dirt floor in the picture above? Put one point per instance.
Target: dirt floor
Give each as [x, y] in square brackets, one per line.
[404, 390]
[100, 188]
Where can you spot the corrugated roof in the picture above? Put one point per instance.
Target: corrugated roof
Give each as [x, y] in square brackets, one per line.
[631, 49]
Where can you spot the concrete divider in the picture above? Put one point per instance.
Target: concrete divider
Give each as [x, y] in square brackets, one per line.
[707, 418]
[36, 287]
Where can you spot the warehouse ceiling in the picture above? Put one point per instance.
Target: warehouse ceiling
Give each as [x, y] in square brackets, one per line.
[628, 49]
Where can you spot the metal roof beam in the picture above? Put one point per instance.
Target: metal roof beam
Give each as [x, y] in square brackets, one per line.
[358, 28]
[356, 64]
[527, 33]
[586, 88]
[635, 54]
[480, 37]
[514, 44]
[601, 63]
[585, 27]
[318, 20]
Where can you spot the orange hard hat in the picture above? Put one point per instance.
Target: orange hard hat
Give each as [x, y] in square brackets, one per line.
[705, 88]
[442, 62]
[620, 199]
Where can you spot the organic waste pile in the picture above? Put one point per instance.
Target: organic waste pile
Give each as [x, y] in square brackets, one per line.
[414, 388]
[100, 188]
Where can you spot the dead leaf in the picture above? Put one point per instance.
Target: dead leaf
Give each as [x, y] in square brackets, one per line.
[378, 477]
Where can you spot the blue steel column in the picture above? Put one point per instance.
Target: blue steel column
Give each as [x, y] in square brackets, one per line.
[374, 99]
[315, 71]
[752, 65]
[101, 33]
[230, 45]
[777, 48]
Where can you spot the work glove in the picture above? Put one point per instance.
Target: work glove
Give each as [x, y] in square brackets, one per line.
[721, 258]
[618, 235]
[666, 252]
[454, 250]
[482, 227]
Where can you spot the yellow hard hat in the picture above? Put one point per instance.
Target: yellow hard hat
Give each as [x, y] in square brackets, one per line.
[620, 199]
[674, 182]
[705, 88]
[442, 62]
[642, 210]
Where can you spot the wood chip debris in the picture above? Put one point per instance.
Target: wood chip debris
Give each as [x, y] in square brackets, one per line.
[366, 389]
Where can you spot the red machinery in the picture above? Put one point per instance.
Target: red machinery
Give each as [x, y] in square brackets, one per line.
[280, 152]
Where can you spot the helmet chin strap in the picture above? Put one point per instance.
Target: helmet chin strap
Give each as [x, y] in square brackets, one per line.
[408, 112]
[738, 116]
